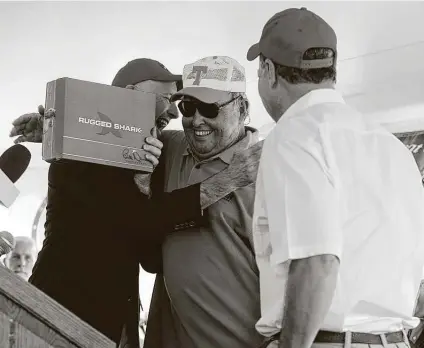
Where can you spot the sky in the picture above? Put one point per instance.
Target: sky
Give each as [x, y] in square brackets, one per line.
[43, 41]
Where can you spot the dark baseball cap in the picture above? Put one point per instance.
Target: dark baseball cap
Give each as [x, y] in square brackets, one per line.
[143, 69]
[289, 34]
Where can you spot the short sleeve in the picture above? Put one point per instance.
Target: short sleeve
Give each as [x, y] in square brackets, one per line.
[302, 201]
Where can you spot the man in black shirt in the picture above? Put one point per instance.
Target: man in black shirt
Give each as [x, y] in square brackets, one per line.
[99, 227]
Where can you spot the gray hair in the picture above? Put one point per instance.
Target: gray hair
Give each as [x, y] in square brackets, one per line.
[25, 239]
[242, 102]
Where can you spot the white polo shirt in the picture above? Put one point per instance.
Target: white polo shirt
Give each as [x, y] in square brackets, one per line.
[332, 182]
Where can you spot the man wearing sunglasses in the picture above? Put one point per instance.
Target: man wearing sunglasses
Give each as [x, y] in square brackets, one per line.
[99, 227]
[209, 272]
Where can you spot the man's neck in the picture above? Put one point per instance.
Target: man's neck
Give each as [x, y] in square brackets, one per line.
[297, 91]
[241, 135]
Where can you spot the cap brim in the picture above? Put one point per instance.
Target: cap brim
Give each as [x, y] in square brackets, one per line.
[170, 77]
[204, 94]
[253, 52]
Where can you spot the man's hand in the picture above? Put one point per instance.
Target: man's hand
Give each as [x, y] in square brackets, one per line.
[241, 172]
[153, 146]
[29, 127]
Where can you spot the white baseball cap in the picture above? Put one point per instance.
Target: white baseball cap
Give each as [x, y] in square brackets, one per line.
[212, 79]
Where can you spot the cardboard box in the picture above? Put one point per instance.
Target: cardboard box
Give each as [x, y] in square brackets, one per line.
[97, 123]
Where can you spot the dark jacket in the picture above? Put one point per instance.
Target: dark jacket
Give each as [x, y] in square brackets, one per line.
[98, 229]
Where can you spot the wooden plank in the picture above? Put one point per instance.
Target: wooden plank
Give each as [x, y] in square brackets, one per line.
[26, 331]
[44, 310]
[24, 339]
[4, 330]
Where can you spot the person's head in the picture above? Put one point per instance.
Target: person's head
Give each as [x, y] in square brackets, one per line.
[214, 105]
[297, 54]
[22, 258]
[150, 76]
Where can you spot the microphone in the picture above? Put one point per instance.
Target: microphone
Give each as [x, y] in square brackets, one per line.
[14, 161]
[7, 242]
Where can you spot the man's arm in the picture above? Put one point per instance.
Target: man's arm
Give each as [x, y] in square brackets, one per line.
[310, 289]
[215, 188]
[302, 202]
[148, 221]
[176, 210]
[241, 172]
[174, 214]
[168, 212]
[186, 207]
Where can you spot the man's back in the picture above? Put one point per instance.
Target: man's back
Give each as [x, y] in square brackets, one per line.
[88, 259]
[382, 211]
[379, 212]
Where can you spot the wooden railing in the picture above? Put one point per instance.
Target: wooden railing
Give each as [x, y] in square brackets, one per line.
[31, 319]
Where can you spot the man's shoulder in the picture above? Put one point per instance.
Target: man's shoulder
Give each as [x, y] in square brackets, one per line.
[316, 124]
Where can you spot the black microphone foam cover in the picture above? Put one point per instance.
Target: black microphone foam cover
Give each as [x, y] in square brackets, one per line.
[14, 161]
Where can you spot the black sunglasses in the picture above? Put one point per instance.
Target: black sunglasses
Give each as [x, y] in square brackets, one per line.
[188, 108]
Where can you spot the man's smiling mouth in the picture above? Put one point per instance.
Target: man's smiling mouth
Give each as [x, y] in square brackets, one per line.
[202, 133]
[162, 123]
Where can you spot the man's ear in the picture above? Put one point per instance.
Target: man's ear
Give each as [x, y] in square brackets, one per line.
[271, 73]
[244, 107]
[5, 260]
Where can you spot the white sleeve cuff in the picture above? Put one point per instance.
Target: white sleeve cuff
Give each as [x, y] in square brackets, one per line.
[303, 252]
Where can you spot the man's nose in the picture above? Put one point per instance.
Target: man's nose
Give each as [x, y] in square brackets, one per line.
[198, 119]
[18, 265]
[173, 111]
